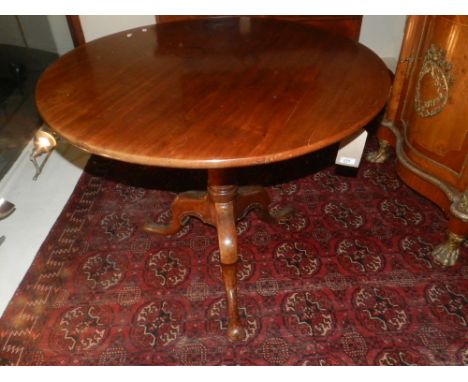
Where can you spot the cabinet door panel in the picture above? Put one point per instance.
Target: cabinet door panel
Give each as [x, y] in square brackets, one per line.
[436, 111]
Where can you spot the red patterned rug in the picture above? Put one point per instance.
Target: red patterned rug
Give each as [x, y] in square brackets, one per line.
[347, 280]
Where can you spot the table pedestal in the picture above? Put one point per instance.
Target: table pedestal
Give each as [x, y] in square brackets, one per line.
[221, 206]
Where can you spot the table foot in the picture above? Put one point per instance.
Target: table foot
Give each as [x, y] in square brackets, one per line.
[185, 205]
[222, 206]
[235, 330]
[256, 198]
[381, 155]
[446, 254]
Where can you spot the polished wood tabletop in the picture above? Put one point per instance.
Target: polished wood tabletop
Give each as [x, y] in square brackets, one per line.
[212, 93]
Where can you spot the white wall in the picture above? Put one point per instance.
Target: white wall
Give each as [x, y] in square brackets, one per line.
[60, 33]
[48, 33]
[99, 26]
[383, 34]
[10, 33]
[37, 33]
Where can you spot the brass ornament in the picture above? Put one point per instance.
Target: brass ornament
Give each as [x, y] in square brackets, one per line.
[459, 207]
[463, 203]
[439, 72]
[446, 254]
[381, 155]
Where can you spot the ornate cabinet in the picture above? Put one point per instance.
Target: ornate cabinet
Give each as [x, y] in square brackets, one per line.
[427, 120]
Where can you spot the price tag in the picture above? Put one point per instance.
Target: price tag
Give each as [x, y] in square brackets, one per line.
[347, 161]
[351, 149]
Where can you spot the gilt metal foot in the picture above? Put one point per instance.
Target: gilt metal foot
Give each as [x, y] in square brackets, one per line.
[381, 155]
[446, 254]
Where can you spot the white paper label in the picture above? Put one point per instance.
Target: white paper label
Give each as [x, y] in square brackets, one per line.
[347, 161]
[351, 149]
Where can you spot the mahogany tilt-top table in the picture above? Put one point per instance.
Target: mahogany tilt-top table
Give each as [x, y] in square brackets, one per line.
[215, 94]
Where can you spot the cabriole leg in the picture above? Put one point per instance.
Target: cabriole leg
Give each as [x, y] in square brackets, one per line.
[223, 198]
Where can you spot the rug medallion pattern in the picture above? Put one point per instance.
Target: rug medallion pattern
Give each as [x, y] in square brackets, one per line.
[347, 280]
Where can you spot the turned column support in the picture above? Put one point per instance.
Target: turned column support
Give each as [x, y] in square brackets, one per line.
[223, 198]
[221, 206]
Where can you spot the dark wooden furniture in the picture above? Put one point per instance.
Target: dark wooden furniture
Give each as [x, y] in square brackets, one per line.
[427, 120]
[347, 26]
[214, 94]
[76, 31]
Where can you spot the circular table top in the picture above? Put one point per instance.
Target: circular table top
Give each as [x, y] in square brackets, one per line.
[212, 93]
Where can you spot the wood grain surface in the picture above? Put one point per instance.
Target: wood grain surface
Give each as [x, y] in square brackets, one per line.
[212, 93]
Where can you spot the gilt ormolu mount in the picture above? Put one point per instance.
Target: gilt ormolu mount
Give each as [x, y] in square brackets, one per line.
[426, 121]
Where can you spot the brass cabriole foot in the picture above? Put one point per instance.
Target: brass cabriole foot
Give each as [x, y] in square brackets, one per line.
[446, 254]
[381, 155]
